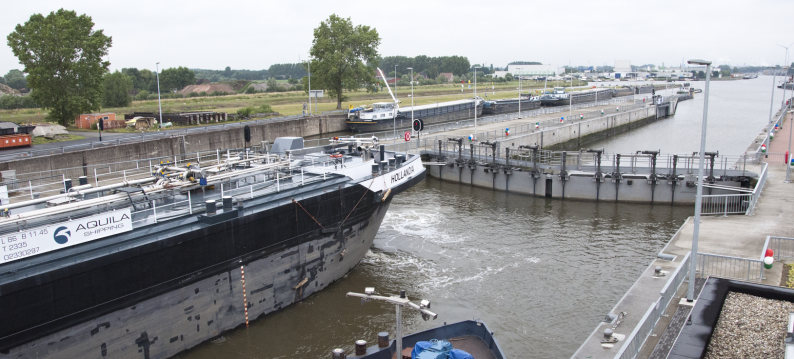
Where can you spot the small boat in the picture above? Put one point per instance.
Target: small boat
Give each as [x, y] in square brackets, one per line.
[472, 338]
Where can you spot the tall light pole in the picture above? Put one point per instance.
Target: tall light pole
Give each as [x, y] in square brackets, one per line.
[772, 100]
[519, 93]
[412, 95]
[785, 76]
[159, 104]
[395, 80]
[693, 259]
[309, 65]
[475, 101]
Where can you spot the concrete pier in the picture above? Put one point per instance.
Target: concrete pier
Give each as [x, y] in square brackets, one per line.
[653, 309]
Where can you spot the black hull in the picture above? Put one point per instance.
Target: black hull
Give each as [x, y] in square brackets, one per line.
[512, 106]
[158, 299]
[429, 117]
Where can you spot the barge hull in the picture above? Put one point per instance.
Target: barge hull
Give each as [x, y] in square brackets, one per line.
[169, 317]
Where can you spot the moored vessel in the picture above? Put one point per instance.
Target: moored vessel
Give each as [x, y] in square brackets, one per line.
[176, 254]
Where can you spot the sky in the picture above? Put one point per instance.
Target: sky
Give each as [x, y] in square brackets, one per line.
[253, 35]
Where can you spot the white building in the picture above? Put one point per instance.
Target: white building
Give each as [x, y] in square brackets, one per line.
[534, 70]
[623, 66]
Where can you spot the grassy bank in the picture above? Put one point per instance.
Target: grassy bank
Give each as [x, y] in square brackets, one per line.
[291, 103]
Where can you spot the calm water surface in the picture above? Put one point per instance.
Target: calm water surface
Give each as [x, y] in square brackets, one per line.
[541, 273]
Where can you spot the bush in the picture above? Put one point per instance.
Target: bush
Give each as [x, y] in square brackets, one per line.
[250, 90]
[218, 93]
[193, 94]
[292, 81]
[245, 112]
[264, 109]
[178, 95]
[142, 95]
[203, 93]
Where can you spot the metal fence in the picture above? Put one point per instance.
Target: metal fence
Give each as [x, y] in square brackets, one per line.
[635, 340]
[730, 267]
[759, 187]
[783, 247]
[726, 203]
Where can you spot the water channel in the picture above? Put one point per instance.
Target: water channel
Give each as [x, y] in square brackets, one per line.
[540, 272]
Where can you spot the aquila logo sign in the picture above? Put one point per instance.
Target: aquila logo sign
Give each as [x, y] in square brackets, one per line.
[62, 235]
[31, 242]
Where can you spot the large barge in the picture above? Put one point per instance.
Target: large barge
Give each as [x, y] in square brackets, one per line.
[494, 107]
[558, 97]
[383, 116]
[158, 263]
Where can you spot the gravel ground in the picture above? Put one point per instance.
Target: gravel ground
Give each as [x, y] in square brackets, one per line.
[750, 327]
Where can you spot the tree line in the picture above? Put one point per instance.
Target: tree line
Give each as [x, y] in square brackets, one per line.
[432, 66]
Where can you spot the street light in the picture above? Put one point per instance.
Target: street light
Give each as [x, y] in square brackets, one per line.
[693, 259]
[519, 93]
[159, 104]
[412, 95]
[395, 80]
[785, 63]
[475, 101]
[772, 100]
[399, 302]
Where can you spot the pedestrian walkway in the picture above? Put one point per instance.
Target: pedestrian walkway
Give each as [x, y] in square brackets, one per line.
[738, 236]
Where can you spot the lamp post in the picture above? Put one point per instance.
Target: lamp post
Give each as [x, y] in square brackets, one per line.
[475, 101]
[412, 95]
[395, 80]
[693, 259]
[772, 100]
[785, 76]
[519, 93]
[309, 65]
[159, 104]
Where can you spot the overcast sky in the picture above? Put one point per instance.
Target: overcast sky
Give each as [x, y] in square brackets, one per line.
[255, 34]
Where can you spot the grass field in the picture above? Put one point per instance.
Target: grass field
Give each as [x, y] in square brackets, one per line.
[291, 103]
[58, 138]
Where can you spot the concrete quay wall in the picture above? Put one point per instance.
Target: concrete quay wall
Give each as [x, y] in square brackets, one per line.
[573, 136]
[80, 161]
[634, 188]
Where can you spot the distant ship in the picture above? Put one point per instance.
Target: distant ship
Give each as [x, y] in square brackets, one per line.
[493, 107]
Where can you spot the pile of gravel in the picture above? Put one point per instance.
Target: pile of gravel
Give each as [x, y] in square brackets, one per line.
[750, 327]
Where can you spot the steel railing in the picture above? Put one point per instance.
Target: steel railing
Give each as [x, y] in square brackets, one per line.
[730, 267]
[726, 203]
[633, 343]
[759, 187]
[783, 247]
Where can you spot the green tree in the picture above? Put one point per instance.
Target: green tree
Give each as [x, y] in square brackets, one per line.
[117, 88]
[175, 79]
[2, 80]
[272, 84]
[15, 79]
[340, 54]
[62, 54]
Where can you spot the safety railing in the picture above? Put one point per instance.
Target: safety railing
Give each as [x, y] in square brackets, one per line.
[783, 247]
[730, 267]
[635, 340]
[759, 187]
[731, 203]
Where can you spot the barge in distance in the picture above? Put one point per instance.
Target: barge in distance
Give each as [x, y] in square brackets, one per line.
[383, 116]
[493, 107]
[175, 255]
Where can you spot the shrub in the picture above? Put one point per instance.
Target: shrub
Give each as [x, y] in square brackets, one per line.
[193, 94]
[142, 96]
[218, 93]
[245, 112]
[203, 93]
[264, 109]
[250, 90]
